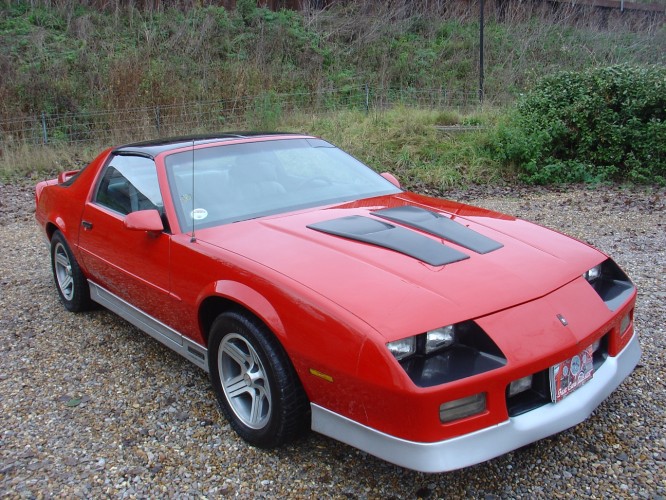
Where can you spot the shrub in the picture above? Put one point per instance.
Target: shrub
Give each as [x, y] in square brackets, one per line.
[604, 124]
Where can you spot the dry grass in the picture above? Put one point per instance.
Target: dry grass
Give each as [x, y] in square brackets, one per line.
[43, 161]
[403, 141]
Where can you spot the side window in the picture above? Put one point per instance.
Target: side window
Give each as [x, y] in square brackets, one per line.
[129, 183]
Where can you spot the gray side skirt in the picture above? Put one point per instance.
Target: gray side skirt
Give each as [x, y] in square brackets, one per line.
[159, 331]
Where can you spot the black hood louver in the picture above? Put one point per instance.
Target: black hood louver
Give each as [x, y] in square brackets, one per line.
[441, 226]
[399, 239]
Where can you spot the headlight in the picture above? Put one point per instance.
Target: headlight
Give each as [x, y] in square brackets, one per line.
[402, 348]
[446, 354]
[439, 339]
[593, 273]
[610, 283]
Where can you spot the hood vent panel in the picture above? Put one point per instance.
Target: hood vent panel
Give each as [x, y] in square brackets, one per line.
[441, 226]
[392, 237]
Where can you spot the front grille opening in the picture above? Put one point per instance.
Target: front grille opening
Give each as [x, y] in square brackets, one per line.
[601, 353]
[538, 395]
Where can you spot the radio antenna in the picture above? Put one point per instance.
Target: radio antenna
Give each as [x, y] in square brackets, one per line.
[193, 238]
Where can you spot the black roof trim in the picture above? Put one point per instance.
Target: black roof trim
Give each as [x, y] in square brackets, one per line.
[399, 239]
[439, 225]
[154, 147]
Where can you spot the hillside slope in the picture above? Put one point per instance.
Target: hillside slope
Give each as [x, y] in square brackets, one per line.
[74, 58]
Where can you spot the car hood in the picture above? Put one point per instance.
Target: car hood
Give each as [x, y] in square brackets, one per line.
[398, 293]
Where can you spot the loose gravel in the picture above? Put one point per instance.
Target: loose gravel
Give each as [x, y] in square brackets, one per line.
[91, 407]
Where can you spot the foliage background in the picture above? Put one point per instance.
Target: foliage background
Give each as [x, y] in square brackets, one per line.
[68, 58]
[72, 58]
[603, 124]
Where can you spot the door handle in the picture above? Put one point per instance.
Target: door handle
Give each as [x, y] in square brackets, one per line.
[86, 225]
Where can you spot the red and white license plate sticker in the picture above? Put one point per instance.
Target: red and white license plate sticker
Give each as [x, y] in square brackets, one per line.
[569, 375]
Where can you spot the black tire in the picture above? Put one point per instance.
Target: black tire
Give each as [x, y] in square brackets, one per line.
[70, 282]
[255, 383]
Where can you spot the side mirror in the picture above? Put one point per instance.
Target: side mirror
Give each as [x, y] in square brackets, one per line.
[144, 220]
[392, 179]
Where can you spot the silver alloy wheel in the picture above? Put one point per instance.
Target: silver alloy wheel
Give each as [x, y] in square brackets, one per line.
[244, 381]
[63, 271]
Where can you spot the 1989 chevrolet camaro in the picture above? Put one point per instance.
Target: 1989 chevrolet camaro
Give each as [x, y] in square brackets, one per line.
[318, 294]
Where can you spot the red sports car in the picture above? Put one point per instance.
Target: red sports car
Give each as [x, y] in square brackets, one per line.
[318, 294]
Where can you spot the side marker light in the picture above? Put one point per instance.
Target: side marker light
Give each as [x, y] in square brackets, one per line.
[319, 374]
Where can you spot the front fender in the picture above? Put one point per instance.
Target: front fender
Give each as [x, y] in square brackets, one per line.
[248, 298]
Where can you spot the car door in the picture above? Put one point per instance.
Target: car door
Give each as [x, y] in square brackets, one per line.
[133, 265]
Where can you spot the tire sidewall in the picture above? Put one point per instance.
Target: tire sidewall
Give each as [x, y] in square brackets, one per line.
[269, 435]
[80, 297]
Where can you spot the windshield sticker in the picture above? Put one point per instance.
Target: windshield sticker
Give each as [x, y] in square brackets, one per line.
[199, 213]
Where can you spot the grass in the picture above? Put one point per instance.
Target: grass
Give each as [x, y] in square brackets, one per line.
[30, 162]
[403, 141]
[406, 142]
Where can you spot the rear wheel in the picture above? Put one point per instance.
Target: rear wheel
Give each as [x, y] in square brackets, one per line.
[255, 384]
[70, 282]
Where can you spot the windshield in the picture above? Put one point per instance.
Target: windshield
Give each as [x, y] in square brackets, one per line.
[243, 181]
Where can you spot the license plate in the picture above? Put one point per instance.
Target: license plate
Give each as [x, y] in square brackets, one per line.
[569, 375]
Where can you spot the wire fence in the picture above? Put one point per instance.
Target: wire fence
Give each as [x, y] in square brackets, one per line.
[264, 111]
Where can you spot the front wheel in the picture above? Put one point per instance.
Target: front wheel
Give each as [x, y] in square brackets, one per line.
[255, 383]
[70, 282]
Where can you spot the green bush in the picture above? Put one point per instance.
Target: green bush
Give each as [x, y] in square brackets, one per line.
[604, 124]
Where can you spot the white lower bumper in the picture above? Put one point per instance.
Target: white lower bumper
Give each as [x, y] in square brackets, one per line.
[490, 442]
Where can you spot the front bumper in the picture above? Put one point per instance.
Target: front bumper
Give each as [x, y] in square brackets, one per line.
[476, 447]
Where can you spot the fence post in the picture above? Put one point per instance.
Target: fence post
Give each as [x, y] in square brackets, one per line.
[45, 138]
[367, 99]
[157, 119]
[481, 22]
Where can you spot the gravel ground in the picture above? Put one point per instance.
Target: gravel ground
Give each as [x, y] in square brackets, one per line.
[91, 407]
